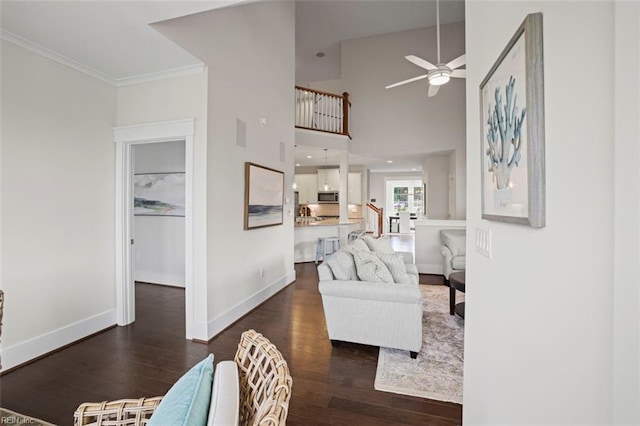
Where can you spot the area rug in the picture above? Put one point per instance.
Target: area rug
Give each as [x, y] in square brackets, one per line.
[437, 372]
[8, 417]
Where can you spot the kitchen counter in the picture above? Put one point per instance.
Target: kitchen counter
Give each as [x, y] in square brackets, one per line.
[306, 235]
[325, 222]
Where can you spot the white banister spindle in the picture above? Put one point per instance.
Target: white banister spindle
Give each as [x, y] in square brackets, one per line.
[319, 110]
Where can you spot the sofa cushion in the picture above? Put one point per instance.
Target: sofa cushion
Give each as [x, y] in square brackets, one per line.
[455, 240]
[370, 268]
[380, 245]
[342, 265]
[395, 265]
[413, 279]
[224, 408]
[458, 262]
[187, 402]
[359, 244]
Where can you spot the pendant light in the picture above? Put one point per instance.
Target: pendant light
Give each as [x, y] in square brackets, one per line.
[325, 187]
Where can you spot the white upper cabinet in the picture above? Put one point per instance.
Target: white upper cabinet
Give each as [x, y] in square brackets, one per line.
[331, 177]
[307, 187]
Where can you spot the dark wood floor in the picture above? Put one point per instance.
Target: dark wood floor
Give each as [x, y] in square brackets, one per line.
[330, 385]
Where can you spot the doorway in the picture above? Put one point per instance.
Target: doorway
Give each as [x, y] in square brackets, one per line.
[126, 138]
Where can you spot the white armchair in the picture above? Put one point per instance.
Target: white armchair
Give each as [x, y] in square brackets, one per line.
[453, 250]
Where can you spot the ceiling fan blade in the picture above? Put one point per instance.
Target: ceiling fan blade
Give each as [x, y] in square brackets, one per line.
[433, 90]
[411, 80]
[459, 73]
[420, 62]
[457, 62]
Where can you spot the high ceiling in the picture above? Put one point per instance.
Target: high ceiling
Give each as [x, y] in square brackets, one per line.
[113, 40]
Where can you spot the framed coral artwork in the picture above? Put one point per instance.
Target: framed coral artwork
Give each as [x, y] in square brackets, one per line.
[512, 130]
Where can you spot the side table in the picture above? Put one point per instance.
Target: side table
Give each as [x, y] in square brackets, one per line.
[456, 282]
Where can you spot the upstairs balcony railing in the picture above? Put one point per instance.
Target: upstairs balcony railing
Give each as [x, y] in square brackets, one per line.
[322, 111]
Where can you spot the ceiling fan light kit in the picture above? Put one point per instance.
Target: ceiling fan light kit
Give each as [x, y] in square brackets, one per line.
[439, 74]
[439, 77]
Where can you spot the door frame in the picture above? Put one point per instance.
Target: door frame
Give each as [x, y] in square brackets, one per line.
[125, 138]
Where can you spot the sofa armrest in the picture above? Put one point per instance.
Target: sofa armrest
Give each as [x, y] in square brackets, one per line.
[386, 292]
[446, 252]
[138, 411]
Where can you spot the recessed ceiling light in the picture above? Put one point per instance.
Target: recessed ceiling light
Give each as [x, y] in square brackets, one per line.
[320, 54]
[308, 156]
[413, 170]
[389, 161]
[297, 164]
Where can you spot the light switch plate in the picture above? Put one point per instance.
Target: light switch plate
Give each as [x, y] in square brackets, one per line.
[483, 242]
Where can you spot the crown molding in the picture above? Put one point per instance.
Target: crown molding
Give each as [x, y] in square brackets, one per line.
[119, 82]
[50, 54]
[160, 75]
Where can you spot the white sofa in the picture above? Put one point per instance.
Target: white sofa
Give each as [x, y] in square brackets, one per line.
[387, 314]
[453, 250]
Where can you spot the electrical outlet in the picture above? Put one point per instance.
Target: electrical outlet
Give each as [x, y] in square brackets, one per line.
[483, 242]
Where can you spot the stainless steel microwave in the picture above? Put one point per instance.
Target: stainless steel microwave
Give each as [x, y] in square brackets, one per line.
[327, 196]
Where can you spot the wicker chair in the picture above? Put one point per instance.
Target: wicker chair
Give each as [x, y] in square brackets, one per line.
[265, 390]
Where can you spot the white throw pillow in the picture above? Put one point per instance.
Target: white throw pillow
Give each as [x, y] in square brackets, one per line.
[380, 245]
[359, 244]
[370, 268]
[394, 262]
[342, 265]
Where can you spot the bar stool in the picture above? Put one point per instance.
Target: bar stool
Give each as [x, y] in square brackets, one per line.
[326, 246]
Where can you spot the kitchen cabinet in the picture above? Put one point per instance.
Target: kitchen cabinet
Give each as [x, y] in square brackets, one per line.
[355, 188]
[331, 177]
[307, 187]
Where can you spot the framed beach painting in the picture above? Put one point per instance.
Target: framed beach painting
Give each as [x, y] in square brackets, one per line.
[512, 130]
[158, 194]
[263, 196]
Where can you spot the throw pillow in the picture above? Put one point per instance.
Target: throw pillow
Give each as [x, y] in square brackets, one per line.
[187, 402]
[395, 264]
[380, 245]
[359, 244]
[342, 265]
[370, 268]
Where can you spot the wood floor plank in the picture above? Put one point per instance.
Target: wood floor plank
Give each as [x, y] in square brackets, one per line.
[331, 386]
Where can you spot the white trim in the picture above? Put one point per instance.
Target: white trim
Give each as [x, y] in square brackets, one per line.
[429, 268]
[160, 75]
[125, 137]
[29, 349]
[118, 82]
[50, 54]
[236, 312]
[173, 280]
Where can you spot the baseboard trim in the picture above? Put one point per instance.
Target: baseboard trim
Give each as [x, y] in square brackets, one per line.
[219, 324]
[173, 280]
[429, 268]
[29, 350]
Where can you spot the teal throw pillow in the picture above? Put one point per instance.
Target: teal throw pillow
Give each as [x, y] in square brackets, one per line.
[187, 402]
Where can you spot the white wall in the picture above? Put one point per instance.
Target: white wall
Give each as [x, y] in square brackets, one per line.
[436, 169]
[249, 51]
[538, 333]
[159, 240]
[626, 273]
[57, 204]
[179, 98]
[403, 119]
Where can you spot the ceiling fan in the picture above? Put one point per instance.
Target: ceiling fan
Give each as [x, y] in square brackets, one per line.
[437, 74]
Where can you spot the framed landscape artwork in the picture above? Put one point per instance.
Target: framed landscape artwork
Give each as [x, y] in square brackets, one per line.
[512, 130]
[263, 196]
[158, 194]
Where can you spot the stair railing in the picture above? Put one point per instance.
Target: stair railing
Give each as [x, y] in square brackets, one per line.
[376, 219]
[322, 111]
